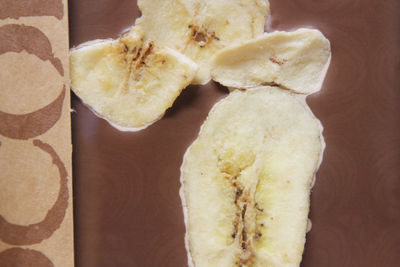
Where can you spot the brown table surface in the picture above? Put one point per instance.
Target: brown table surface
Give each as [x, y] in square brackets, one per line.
[127, 208]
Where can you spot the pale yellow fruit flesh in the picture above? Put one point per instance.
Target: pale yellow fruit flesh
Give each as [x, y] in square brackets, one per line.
[293, 60]
[246, 180]
[129, 81]
[198, 29]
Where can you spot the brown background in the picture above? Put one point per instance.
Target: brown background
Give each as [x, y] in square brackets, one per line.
[127, 207]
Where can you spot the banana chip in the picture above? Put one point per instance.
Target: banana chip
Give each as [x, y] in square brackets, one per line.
[130, 82]
[293, 60]
[200, 28]
[246, 180]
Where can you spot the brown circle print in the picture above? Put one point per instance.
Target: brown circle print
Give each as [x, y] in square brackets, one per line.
[26, 8]
[16, 38]
[35, 233]
[32, 124]
[18, 257]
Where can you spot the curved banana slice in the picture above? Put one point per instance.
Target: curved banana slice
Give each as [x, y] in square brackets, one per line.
[295, 60]
[246, 180]
[199, 28]
[129, 81]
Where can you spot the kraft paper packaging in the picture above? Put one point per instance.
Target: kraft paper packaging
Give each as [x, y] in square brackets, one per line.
[36, 226]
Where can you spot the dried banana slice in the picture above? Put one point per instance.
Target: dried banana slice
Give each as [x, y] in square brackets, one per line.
[246, 180]
[199, 28]
[295, 60]
[130, 82]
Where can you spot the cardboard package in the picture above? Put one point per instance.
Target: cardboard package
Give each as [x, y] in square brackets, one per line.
[36, 225]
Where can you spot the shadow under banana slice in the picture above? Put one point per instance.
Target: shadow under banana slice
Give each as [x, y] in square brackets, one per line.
[16, 38]
[30, 125]
[35, 233]
[23, 257]
[26, 8]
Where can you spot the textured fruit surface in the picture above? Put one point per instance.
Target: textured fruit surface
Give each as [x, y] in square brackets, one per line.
[129, 81]
[200, 28]
[246, 180]
[294, 60]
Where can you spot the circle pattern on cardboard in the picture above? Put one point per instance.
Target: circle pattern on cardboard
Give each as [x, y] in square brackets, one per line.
[26, 8]
[32, 124]
[18, 38]
[20, 257]
[35, 233]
